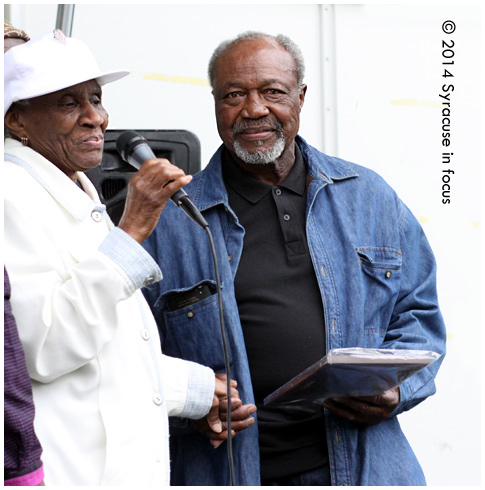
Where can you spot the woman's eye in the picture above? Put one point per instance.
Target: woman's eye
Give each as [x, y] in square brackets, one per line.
[67, 102]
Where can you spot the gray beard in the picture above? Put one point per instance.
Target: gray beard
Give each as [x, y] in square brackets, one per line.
[259, 157]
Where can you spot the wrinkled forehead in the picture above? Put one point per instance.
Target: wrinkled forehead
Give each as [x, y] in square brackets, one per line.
[262, 57]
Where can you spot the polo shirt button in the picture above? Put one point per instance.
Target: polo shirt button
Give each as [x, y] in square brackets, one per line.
[286, 217]
[144, 334]
[157, 399]
[97, 216]
[277, 192]
[190, 314]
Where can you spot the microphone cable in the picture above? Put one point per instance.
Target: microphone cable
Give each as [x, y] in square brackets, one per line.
[226, 356]
[134, 149]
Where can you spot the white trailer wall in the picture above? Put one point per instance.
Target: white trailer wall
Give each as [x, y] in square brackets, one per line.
[374, 75]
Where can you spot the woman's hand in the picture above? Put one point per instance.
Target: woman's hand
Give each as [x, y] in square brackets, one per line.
[148, 192]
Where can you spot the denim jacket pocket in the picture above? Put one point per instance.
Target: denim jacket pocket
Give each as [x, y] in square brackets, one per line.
[381, 278]
[193, 333]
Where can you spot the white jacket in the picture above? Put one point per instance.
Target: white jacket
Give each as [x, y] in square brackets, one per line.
[102, 388]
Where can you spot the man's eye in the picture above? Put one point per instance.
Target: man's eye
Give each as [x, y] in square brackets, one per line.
[233, 95]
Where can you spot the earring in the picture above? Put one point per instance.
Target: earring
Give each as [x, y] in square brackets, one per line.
[24, 140]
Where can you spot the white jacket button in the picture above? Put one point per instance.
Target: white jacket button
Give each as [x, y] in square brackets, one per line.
[97, 216]
[157, 399]
[149, 280]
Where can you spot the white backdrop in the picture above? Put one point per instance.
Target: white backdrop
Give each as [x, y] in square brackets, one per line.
[386, 64]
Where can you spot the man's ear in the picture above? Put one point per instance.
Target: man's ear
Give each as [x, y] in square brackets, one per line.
[14, 123]
[302, 91]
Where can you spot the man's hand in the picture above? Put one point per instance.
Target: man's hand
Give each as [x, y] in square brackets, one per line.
[214, 425]
[241, 418]
[365, 410]
[148, 192]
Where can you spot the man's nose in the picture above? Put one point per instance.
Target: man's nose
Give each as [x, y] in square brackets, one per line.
[254, 106]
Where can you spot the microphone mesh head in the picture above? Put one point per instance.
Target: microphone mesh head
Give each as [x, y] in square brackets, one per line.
[125, 139]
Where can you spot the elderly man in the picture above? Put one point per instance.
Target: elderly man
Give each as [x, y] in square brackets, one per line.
[315, 253]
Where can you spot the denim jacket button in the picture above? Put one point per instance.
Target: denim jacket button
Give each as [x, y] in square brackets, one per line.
[388, 274]
[190, 314]
[230, 257]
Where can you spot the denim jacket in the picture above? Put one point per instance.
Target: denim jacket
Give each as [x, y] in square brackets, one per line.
[377, 277]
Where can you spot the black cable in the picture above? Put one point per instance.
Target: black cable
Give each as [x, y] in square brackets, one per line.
[226, 357]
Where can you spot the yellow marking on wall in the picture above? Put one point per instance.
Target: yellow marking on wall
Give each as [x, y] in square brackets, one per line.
[417, 103]
[423, 219]
[475, 224]
[450, 336]
[161, 77]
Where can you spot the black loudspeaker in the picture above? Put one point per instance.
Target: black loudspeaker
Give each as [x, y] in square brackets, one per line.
[111, 177]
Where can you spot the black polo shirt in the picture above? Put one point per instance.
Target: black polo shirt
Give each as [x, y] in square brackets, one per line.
[281, 310]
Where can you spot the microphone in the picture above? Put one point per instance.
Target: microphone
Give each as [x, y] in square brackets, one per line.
[134, 149]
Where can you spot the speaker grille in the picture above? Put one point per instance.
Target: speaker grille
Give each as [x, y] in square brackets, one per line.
[111, 187]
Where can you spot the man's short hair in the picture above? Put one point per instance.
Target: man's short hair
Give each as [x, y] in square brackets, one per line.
[284, 41]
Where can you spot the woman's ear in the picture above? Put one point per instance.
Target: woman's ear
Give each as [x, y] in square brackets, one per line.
[14, 123]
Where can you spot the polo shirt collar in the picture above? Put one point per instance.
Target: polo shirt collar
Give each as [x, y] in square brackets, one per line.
[254, 190]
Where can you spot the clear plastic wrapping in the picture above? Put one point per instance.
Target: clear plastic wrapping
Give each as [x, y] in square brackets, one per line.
[350, 372]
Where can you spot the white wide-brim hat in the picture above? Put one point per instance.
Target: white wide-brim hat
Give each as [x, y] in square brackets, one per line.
[47, 64]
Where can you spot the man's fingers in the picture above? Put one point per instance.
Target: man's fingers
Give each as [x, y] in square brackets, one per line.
[223, 377]
[213, 416]
[239, 412]
[240, 425]
[217, 439]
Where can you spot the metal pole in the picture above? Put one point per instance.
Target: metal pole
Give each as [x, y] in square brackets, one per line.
[329, 80]
[65, 16]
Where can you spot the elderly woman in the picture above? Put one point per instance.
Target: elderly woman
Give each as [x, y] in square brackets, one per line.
[102, 388]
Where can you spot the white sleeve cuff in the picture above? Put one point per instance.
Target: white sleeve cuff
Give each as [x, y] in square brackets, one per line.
[137, 264]
[189, 388]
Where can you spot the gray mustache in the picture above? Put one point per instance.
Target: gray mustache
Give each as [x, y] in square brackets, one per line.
[238, 127]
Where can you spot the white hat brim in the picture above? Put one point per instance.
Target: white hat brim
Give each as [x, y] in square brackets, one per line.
[102, 79]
